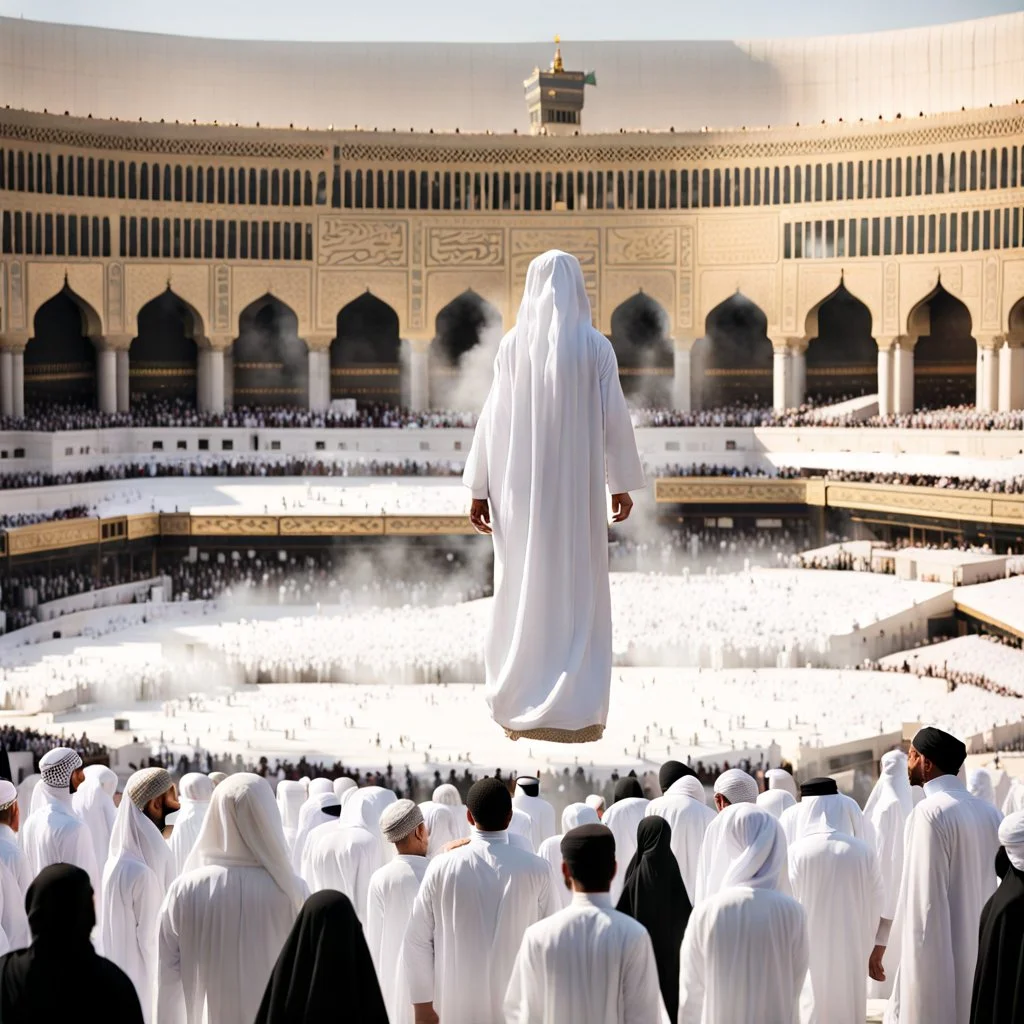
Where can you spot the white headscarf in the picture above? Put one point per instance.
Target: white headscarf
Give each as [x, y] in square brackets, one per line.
[93, 802]
[136, 836]
[365, 807]
[754, 846]
[1011, 837]
[736, 786]
[892, 778]
[833, 812]
[313, 813]
[779, 778]
[441, 825]
[979, 784]
[290, 798]
[243, 828]
[598, 802]
[195, 791]
[775, 801]
[318, 786]
[343, 785]
[691, 786]
[578, 814]
[448, 795]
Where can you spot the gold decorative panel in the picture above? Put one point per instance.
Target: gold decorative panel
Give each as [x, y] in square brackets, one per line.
[427, 526]
[643, 245]
[175, 524]
[726, 490]
[145, 525]
[234, 526]
[330, 526]
[348, 243]
[62, 533]
[934, 502]
[474, 247]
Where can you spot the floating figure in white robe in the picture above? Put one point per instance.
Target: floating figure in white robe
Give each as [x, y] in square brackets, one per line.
[527, 798]
[15, 877]
[948, 874]
[470, 915]
[626, 812]
[554, 435]
[683, 805]
[54, 834]
[836, 880]
[136, 877]
[780, 792]
[573, 816]
[195, 794]
[392, 892]
[238, 882]
[93, 802]
[745, 953]
[588, 962]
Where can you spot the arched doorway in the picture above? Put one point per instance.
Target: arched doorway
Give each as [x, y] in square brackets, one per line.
[842, 357]
[639, 335]
[366, 352]
[60, 358]
[945, 356]
[163, 357]
[270, 361]
[467, 332]
[732, 363]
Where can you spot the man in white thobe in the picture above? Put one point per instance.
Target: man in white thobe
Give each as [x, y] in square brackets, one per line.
[449, 796]
[780, 792]
[393, 890]
[470, 915]
[628, 809]
[844, 812]
[527, 798]
[836, 880]
[745, 953]
[15, 877]
[228, 914]
[135, 880]
[683, 805]
[733, 788]
[319, 809]
[888, 808]
[948, 875]
[195, 791]
[344, 854]
[93, 802]
[550, 850]
[54, 834]
[588, 962]
[554, 432]
[291, 795]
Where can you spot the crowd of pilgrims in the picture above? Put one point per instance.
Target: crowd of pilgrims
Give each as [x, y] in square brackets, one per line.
[241, 898]
[952, 676]
[11, 520]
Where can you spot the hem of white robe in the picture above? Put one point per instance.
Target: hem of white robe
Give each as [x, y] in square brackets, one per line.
[588, 734]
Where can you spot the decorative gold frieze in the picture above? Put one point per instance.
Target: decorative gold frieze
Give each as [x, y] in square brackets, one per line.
[145, 525]
[427, 526]
[730, 490]
[330, 526]
[349, 243]
[62, 533]
[175, 524]
[234, 526]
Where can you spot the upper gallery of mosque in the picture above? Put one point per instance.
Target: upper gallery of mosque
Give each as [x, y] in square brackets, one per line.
[685, 86]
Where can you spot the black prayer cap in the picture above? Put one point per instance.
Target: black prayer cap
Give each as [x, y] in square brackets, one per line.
[627, 787]
[822, 786]
[529, 785]
[490, 804]
[589, 850]
[942, 749]
[673, 771]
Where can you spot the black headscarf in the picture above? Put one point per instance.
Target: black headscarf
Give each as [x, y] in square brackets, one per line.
[626, 788]
[673, 771]
[324, 971]
[998, 995]
[654, 894]
[57, 972]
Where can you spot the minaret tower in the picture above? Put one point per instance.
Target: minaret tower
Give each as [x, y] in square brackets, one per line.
[555, 97]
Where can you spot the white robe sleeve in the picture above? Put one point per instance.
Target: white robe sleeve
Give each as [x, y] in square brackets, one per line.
[418, 949]
[475, 475]
[625, 472]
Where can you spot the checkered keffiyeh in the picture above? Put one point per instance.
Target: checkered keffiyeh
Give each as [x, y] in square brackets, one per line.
[147, 784]
[8, 794]
[58, 765]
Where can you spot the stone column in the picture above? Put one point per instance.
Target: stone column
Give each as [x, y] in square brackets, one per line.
[106, 379]
[781, 377]
[12, 374]
[215, 387]
[884, 378]
[979, 377]
[202, 377]
[319, 347]
[6, 383]
[229, 378]
[681, 386]
[903, 375]
[18, 383]
[797, 372]
[1011, 374]
[988, 386]
[419, 379]
[123, 383]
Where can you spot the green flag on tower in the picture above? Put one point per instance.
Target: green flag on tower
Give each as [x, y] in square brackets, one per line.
[590, 78]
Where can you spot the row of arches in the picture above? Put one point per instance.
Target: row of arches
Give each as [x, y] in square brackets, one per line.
[731, 363]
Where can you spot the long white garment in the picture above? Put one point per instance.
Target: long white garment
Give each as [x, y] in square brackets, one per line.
[835, 878]
[227, 916]
[290, 798]
[622, 819]
[980, 784]
[689, 820]
[467, 924]
[196, 792]
[313, 814]
[555, 427]
[521, 828]
[887, 809]
[13, 856]
[775, 801]
[441, 826]
[93, 802]
[1014, 800]
[551, 849]
[448, 795]
[745, 952]
[541, 814]
[585, 963]
[948, 875]
[842, 812]
[54, 834]
[135, 880]
[14, 880]
[389, 903]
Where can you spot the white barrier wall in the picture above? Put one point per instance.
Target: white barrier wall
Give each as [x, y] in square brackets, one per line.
[105, 597]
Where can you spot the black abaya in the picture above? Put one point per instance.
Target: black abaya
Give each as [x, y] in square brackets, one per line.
[60, 976]
[324, 972]
[998, 996]
[654, 895]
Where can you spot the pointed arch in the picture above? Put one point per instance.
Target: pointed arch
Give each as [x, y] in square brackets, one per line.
[270, 363]
[164, 355]
[60, 357]
[467, 332]
[732, 363]
[842, 356]
[945, 352]
[365, 354]
[643, 348]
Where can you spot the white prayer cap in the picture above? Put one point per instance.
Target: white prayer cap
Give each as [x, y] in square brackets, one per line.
[400, 820]
[146, 785]
[779, 778]
[318, 786]
[755, 847]
[447, 794]
[8, 794]
[578, 814]
[596, 801]
[58, 765]
[736, 786]
[1011, 836]
[343, 785]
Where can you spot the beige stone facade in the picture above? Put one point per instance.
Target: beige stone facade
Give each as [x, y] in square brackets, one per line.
[894, 211]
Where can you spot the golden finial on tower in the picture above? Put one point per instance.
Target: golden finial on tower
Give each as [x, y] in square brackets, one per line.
[556, 65]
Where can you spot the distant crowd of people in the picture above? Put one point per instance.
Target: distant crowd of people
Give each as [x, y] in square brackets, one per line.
[12, 520]
[987, 485]
[739, 472]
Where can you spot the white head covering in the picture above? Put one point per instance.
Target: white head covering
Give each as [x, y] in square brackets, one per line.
[832, 812]
[892, 778]
[1011, 837]
[779, 778]
[979, 784]
[578, 814]
[343, 785]
[365, 807]
[691, 786]
[93, 802]
[8, 794]
[290, 798]
[775, 801]
[217, 777]
[320, 785]
[136, 836]
[195, 792]
[754, 846]
[448, 795]
[243, 828]
[736, 786]
[1014, 798]
[58, 765]
[312, 815]
[399, 820]
[442, 825]
[596, 801]
[102, 776]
